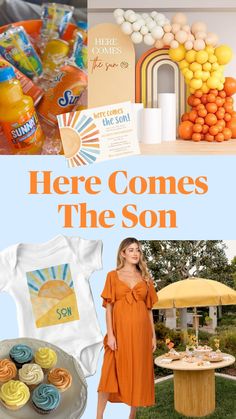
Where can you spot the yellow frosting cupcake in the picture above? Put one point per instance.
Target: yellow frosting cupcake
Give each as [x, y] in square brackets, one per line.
[46, 358]
[14, 394]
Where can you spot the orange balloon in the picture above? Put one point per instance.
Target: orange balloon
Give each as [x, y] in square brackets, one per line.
[214, 130]
[192, 116]
[219, 137]
[196, 136]
[186, 130]
[227, 133]
[210, 119]
[211, 107]
[184, 117]
[197, 128]
[230, 86]
[222, 94]
[209, 137]
[211, 98]
[232, 126]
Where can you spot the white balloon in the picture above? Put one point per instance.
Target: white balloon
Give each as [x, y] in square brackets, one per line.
[127, 13]
[144, 15]
[126, 27]
[136, 37]
[160, 21]
[167, 21]
[154, 13]
[144, 30]
[132, 17]
[151, 25]
[119, 20]
[137, 26]
[188, 45]
[149, 40]
[148, 20]
[160, 16]
[157, 32]
[118, 12]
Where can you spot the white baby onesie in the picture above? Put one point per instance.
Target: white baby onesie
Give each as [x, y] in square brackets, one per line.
[50, 285]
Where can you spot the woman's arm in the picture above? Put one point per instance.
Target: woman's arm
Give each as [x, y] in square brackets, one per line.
[154, 342]
[111, 340]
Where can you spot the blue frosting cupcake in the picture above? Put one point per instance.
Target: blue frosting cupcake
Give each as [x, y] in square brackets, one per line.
[21, 354]
[45, 398]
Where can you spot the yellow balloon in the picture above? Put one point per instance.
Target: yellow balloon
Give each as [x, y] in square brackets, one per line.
[188, 75]
[209, 49]
[216, 74]
[202, 57]
[190, 56]
[183, 64]
[177, 54]
[212, 58]
[184, 70]
[206, 66]
[195, 66]
[212, 83]
[205, 75]
[198, 74]
[205, 88]
[215, 66]
[196, 84]
[192, 90]
[224, 54]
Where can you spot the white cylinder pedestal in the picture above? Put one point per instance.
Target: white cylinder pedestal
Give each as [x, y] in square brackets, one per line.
[167, 104]
[137, 112]
[151, 125]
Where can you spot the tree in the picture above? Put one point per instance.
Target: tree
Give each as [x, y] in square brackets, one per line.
[173, 260]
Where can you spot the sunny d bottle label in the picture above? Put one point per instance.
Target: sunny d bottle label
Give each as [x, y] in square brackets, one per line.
[23, 132]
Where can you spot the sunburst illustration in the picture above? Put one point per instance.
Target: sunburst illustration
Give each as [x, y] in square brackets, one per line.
[80, 137]
[52, 295]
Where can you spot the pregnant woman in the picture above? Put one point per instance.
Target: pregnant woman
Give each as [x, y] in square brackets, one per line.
[128, 296]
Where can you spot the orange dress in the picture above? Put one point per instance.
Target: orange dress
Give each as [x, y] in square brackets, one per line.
[128, 373]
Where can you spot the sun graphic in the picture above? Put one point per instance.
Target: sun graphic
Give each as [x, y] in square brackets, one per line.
[80, 137]
[54, 282]
[52, 295]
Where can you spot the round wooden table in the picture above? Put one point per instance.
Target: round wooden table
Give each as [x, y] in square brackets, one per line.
[194, 385]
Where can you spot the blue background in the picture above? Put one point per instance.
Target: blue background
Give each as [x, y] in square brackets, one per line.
[25, 218]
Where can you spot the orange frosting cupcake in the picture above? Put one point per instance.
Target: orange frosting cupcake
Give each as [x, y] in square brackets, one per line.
[8, 370]
[60, 378]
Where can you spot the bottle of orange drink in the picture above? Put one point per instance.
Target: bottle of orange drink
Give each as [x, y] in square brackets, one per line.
[18, 117]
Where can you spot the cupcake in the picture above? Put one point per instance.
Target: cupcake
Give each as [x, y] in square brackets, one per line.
[8, 370]
[14, 394]
[60, 378]
[32, 375]
[45, 398]
[46, 358]
[21, 354]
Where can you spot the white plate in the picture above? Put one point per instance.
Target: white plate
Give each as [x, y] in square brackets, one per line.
[73, 401]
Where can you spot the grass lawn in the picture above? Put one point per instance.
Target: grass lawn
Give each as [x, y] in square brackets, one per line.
[225, 402]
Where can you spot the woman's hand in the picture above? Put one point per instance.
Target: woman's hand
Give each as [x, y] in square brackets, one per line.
[111, 341]
[154, 343]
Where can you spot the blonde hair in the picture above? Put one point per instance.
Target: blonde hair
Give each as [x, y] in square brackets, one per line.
[141, 265]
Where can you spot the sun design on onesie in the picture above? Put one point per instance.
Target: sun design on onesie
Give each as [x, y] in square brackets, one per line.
[52, 295]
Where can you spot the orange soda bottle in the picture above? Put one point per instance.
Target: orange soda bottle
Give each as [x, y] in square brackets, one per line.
[18, 117]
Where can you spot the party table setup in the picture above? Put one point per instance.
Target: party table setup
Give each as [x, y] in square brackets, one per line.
[173, 69]
[43, 73]
[194, 379]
